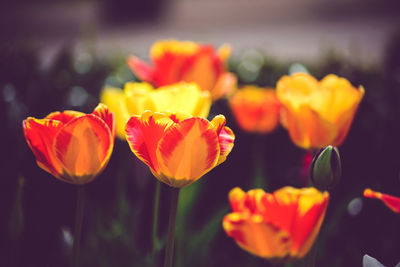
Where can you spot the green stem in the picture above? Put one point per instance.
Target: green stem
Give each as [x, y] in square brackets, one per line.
[78, 225]
[259, 160]
[156, 207]
[169, 251]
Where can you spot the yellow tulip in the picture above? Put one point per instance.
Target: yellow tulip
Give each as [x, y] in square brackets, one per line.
[317, 113]
[139, 97]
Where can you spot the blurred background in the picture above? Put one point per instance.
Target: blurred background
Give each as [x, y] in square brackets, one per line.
[57, 55]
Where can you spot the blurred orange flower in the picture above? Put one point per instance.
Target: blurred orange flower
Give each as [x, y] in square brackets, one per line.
[391, 202]
[256, 109]
[73, 146]
[317, 113]
[175, 61]
[179, 148]
[281, 226]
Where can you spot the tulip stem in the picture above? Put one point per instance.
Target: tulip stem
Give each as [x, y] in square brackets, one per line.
[169, 250]
[259, 152]
[78, 224]
[156, 207]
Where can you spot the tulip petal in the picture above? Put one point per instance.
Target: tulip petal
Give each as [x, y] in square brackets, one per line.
[65, 116]
[143, 71]
[261, 239]
[114, 98]
[200, 68]
[300, 212]
[175, 61]
[160, 48]
[256, 109]
[202, 108]
[39, 135]
[187, 151]
[224, 51]
[253, 201]
[236, 199]
[391, 202]
[225, 85]
[178, 116]
[345, 119]
[108, 117]
[183, 96]
[83, 147]
[168, 68]
[226, 137]
[143, 134]
[137, 98]
[343, 97]
[296, 89]
[317, 114]
[307, 129]
[279, 226]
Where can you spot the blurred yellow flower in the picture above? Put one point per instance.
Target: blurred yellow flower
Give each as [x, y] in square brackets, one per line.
[139, 97]
[317, 113]
[256, 109]
[175, 61]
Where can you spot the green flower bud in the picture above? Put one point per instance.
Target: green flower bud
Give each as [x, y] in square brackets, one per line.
[326, 168]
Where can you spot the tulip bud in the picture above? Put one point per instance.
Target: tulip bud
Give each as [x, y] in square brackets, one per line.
[326, 168]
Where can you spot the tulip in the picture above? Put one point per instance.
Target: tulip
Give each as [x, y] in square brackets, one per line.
[281, 226]
[72, 146]
[138, 97]
[175, 61]
[326, 168]
[317, 113]
[179, 148]
[256, 109]
[391, 202]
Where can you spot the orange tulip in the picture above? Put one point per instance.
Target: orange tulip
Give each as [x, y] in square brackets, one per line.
[178, 148]
[176, 61]
[391, 202]
[256, 109]
[280, 226]
[315, 113]
[72, 146]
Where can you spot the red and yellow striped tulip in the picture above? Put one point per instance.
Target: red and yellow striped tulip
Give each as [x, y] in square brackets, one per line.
[179, 148]
[281, 226]
[138, 97]
[175, 61]
[317, 113]
[72, 146]
[256, 109]
[391, 202]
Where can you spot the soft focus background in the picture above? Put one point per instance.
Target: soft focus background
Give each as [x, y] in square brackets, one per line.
[57, 55]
